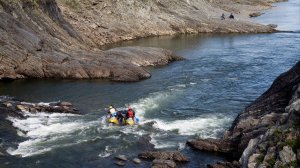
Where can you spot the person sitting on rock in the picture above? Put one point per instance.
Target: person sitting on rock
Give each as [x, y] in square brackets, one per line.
[223, 16]
[112, 111]
[130, 113]
[231, 16]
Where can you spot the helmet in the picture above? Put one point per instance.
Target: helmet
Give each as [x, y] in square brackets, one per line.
[111, 106]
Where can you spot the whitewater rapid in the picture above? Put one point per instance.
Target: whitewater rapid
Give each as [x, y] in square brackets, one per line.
[47, 131]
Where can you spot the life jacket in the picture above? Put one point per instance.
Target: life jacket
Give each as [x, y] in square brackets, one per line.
[113, 111]
[130, 114]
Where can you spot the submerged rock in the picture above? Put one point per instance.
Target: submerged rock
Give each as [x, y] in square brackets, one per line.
[121, 157]
[120, 163]
[137, 160]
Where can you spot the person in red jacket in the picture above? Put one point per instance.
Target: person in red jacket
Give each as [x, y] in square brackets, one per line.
[130, 113]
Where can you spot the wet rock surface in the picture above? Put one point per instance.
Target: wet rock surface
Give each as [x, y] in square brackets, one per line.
[165, 155]
[164, 159]
[267, 132]
[16, 107]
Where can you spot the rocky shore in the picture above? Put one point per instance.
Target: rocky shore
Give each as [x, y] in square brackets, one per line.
[61, 38]
[267, 133]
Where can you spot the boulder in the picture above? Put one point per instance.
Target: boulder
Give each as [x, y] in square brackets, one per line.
[120, 163]
[121, 157]
[7, 104]
[22, 108]
[137, 160]
[164, 155]
[211, 145]
[287, 155]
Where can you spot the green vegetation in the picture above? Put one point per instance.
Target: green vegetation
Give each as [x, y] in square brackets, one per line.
[260, 158]
[271, 162]
[278, 133]
[293, 143]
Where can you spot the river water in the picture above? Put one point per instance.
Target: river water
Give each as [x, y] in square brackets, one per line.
[197, 97]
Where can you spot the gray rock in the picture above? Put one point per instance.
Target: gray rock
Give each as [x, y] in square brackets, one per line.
[7, 104]
[248, 152]
[161, 163]
[287, 155]
[120, 163]
[252, 162]
[121, 157]
[137, 160]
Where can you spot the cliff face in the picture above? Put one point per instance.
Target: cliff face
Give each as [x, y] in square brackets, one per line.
[60, 38]
[267, 133]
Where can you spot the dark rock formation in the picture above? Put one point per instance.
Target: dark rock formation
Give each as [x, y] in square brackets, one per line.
[15, 107]
[164, 159]
[161, 163]
[165, 155]
[258, 135]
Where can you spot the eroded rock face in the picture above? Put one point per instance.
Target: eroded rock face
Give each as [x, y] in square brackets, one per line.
[258, 134]
[37, 42]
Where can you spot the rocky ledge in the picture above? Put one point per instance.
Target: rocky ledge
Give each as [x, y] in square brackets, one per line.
[164, 159]
[13, 106]
[267, 133]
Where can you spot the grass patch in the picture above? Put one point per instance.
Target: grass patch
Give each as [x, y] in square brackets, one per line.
[260, 158]
[294, 144]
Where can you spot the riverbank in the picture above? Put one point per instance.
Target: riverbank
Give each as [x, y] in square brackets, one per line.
[61, 39]
[267, 133]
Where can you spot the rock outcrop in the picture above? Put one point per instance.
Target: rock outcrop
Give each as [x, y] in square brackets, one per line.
[37, 42]
[267, 133]
[61, 39]
[15, 107]
[164, 159]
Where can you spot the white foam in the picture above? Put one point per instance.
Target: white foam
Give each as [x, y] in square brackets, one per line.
[203, 125]
[161, 144]
[47, 131]
[156, 100]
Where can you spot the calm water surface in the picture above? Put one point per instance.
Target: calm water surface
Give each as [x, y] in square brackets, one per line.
[198, 97]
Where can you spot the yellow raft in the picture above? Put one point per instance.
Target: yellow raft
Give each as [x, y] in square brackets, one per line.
[129, 121]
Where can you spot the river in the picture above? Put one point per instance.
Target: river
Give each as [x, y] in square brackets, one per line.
[197, 97]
